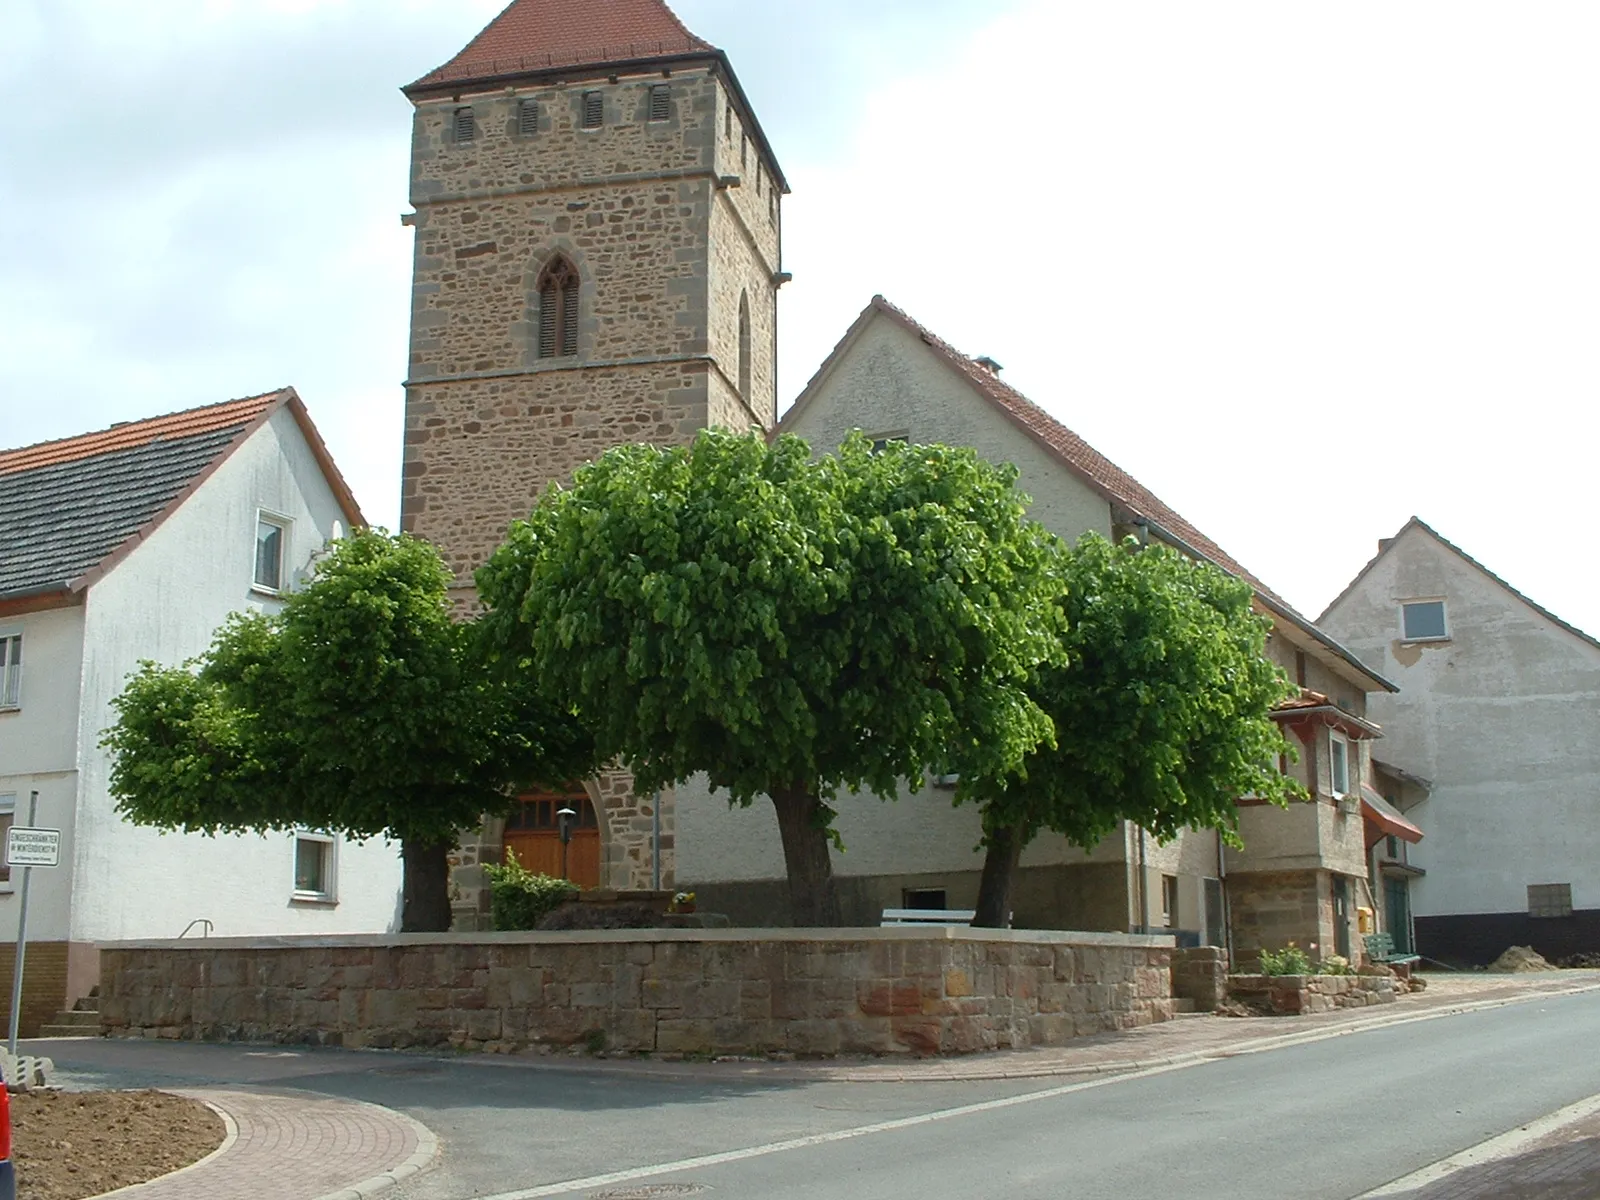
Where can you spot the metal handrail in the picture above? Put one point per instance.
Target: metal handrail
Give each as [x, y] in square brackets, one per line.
[197, 921]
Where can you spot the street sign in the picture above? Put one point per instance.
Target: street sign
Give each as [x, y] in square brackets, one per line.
[33, 847]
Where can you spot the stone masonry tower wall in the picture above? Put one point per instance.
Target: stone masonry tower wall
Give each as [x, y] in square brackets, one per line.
[670, 216]
[610, 140]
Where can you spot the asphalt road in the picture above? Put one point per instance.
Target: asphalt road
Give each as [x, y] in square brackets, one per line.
[1328, 1119]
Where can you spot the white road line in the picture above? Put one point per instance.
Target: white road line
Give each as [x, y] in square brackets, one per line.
[1503, 1146]
[822, 1139]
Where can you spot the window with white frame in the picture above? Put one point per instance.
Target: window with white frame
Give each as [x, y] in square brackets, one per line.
[314, 866]
[10, 670]
[8, 818]
[1423, 621]
[272, 544]
[1339, 764]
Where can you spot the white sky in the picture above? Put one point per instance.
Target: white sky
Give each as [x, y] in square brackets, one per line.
[1304, 270]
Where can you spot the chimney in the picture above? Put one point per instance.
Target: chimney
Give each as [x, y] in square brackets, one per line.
[988, 364]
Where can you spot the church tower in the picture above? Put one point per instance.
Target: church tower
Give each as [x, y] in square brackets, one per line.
[597, 259]
[597, 262]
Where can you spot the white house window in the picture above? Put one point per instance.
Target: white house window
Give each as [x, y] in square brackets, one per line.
[8, 817]
[1339, 764]
[1169, 900]
[11, 670]
[314, 867]
[880, 441]
[1549, 899]
[272, 538]
[1423, 621]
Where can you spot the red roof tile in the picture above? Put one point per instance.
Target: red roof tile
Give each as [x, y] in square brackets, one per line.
[532, 35]
[128, 434]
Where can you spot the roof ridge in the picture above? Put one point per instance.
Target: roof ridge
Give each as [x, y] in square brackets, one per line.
[120, 435]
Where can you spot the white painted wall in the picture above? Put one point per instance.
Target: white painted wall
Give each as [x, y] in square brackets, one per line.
[38, 751]
[889, 381]
[163, 602]
[1504, 718]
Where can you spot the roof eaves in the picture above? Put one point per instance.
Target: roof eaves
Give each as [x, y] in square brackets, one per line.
[330, 470]
[820, 375]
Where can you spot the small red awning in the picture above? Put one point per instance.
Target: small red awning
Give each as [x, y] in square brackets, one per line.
[1387, 817]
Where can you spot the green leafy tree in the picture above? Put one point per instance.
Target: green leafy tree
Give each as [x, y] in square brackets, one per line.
[789, 626]
[1161, 715]
[360, 707]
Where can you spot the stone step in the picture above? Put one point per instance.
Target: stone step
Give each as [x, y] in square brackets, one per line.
[69, 1031]
[84, 1020]
[1182, 1005]
[89, 1003]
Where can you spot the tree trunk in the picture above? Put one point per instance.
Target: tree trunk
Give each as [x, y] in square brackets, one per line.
[425, 888]
[1004, 849]
[813, 899]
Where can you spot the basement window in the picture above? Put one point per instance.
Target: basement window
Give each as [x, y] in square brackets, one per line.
[527, 118]
[465, 127]
[8, 818]
[660, 102]
[1423, 621]
[924, 898]
[594, 110]
[1549, 899]
[314, 868]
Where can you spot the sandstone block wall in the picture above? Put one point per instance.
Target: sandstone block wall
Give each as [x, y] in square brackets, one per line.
[1290, 994]
[1200, 973]
[809, 992]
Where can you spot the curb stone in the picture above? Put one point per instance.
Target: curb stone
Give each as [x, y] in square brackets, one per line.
[421, 1159]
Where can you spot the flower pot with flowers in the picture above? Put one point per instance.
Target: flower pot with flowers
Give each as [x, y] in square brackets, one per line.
[683, 902]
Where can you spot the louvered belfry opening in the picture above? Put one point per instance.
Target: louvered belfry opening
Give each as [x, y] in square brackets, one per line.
[660, 102]
[528, 118]
[466, 130]
[744, 345]
[558, 309]
[594, 110]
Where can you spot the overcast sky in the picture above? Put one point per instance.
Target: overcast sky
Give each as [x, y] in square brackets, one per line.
[1304, 270]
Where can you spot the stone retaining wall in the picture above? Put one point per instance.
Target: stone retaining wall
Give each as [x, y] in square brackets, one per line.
[1200, 973]
[693, 991]
[1312, 993]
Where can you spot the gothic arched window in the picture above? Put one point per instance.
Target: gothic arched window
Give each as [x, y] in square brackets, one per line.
[558, 309]
[744, 346]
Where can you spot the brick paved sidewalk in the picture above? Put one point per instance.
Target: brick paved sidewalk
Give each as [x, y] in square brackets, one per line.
[1186, 1038]
[296, 1147]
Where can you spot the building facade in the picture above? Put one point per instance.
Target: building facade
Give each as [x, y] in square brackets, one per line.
[137, 543]
[598, 218]
[1499, 716]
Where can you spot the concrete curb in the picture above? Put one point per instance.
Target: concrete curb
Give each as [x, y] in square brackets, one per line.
[420, 1160]
[230, 1135]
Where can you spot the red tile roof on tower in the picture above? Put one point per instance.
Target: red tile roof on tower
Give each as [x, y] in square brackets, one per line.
[533, 35]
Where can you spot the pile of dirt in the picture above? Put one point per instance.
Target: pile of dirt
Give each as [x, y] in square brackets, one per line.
[1584, 960]
[576, 915]
[68, 1145]
[1520, 959]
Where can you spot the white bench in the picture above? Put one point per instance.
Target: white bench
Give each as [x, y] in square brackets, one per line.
[928, 916]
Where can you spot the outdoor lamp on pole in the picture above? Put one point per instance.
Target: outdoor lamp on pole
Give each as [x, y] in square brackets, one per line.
[564, 820]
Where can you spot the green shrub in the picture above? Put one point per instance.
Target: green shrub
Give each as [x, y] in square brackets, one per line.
[1335, 964]
[519, 897]
[1291, 960]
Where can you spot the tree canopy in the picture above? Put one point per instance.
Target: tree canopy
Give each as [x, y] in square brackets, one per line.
[1161, 714]
[359, 707]
[789, 626]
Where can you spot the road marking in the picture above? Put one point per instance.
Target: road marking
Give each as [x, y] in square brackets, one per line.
[1179, 1063]
[822, 1139]
[1503, 1146]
